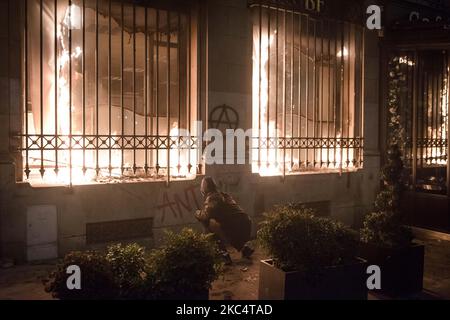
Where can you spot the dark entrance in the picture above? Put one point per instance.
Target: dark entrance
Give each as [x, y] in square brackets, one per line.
[420, 62]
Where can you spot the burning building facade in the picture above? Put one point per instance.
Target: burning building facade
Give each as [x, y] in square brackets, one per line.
[103, 101]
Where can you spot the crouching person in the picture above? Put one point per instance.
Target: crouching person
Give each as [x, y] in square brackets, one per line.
[224, 218]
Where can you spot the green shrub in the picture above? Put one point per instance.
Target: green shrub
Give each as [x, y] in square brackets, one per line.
[387, 200]
[128, 265]
[185, 266]
[297, 240]
[96, 274]
[383, 229]
[392, 173]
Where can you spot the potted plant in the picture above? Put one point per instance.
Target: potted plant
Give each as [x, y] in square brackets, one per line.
[185, 266]
[119, 273]
[386, 242]
[97, 280]
[312, 258]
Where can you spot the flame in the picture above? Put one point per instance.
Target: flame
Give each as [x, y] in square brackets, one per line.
[343, 52]
[78, 166]
[271, 160]
[438, 155]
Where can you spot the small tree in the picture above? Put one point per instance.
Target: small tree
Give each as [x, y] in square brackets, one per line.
[384, 226]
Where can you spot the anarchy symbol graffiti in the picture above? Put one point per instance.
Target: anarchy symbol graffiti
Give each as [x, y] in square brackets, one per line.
[224, 117]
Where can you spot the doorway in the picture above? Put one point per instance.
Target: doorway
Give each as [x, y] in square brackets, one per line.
[419, 92]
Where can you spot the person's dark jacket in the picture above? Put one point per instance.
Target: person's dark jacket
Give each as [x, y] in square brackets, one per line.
[234, 222]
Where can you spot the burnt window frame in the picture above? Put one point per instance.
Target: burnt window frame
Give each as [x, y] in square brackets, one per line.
[300, 144]
[196, 98]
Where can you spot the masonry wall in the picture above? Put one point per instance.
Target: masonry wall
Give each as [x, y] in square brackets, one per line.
[346, 197]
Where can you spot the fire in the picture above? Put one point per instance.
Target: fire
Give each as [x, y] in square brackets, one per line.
[271, 160]
[77, 166]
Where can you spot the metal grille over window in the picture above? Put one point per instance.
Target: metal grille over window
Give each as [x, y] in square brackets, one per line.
[307, 92]
[111, 91]
[422, 78]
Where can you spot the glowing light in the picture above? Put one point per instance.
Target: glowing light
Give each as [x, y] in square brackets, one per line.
[72, 18]
[405, 60]
[271, 160]
[343, 52]
[70, 163]
[438, 155]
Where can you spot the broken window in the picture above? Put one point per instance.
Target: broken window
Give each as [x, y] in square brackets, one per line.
[307, 92]
[110, 91]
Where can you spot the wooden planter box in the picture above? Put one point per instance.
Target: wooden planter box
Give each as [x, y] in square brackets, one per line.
[347, 282]
[401, 269]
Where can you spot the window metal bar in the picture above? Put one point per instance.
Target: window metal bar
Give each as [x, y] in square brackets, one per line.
[26, 67]
[439, 115]
[110, 88]
[146, 80]
[189, 86]
[443, 151]
[322, 92]
[342, 75]
[206, 62]
[169, 143]
[97, 157]
[348, 135]
[299, 107]
[134, 88]
[423, 112]
[414, 123]
[314, 97]
[438, 108]
[83, 85]
[260, 84]
[440, 92]
[199, 84]
[285, 92]
[433, 112]
[158, 35]
[122, 85]
[102, 142]
[268, 90]
[291, 106]
[70, 94]
[307, 93]
[179, 142]
[360, 99]
[447, 76]
[55, 12]
[276, 82]
[331, 90]
[41, 82]
[362, 88]
[404, 112]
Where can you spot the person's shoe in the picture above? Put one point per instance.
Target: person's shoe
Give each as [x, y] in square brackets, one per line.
[247, 252]
[227, 259]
